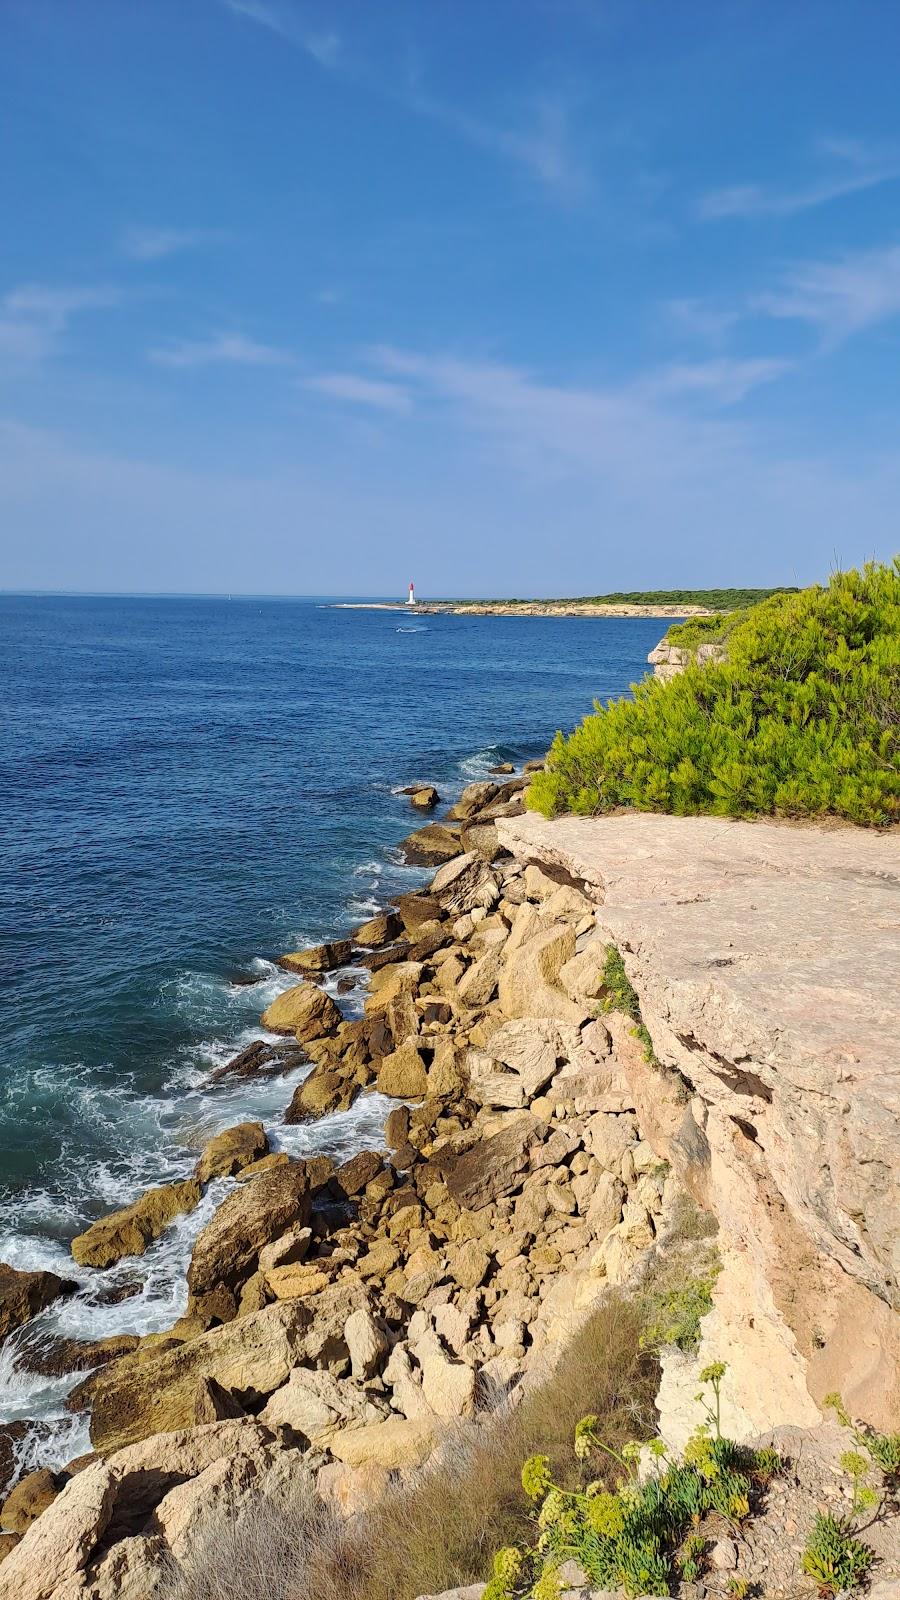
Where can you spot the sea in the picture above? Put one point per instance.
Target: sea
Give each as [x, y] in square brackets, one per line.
[189, 787]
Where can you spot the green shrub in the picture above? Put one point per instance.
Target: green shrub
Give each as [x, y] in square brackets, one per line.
[802, 719]
[679, 1312]
[621, 996]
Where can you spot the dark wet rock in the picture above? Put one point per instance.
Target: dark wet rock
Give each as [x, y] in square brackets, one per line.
[374, 960]
[251, 1216]
[415, 909]
[352, 1177]
[260, 1059]
[24, 1294]
[53, 1357]
[12, 1435]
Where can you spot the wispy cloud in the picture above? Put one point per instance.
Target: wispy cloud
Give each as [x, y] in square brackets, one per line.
[858, 169]
[357, 390]
[154, 243]
[223, 348]
[542, 144]
[840, 297]
[34, 317]
[724, 381]
[324, 47]
[698, 319]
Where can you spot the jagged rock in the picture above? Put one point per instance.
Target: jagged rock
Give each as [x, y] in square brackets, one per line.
[321, 958]
[469, 1264]
[605, 1208]
[136, 1568]
[213, 1403]
[491, 1168]
[765, 961]
[416, 909]
[378, 931]
[8, 1542]
[24, 1294]
[406, 1391]
[474, 798]
[529, 983]
[129, 1231]
[367, 1343]
[318, 1405]
[260, 1059]
[57, 1547]
[226, 1250]
[31, 1495]
[321, 1093]
[448, 1386]
[398, 1442]
[465, 884]
[156, 1392]
[424, 799]
[429, 846]
[402, 1074]
[521, 1058]
[230, 1151]
[304, 1011]
[255, 1169]
[479, 982]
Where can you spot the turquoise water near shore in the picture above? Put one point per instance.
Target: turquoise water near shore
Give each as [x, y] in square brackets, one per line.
[189, 788]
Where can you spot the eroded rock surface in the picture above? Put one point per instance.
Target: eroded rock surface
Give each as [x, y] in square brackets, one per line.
[766, 959]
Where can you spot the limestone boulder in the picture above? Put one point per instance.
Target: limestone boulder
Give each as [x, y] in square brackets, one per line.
[249, 1218]
[24, 1294]
[429, 846]
[530, 981]
[230, 1151]
[155, 1392]
[57, 1547]
[379, 930]
[305, 1011]
[464, 885]
[416, 909]
[367, 1343]
[135, 1568]
[320, 958]
[491, 1168]
[521, 1058]
[424, 799]
[397, 1443]
[31, 1495]
[402, 1074]
[473, 799]
[479, 982]
[318, 1405]
[320, 1094]
[129, 1231]
[447, 1384]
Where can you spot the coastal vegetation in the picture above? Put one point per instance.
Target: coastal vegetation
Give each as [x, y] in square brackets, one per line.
[800, 720]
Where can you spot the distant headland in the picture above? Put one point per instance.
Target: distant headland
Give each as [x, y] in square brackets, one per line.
[622, 603]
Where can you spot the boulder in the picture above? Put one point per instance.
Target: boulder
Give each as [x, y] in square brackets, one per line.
[604, 1209]
[529, 984]
[481, 837]
[230, 1151]
[520, 1059]
[379, 930]
[292, 1247]
[255, 1169]
[24, 1294]
[402, 1074]
[465, 884]
[324, 1091]
[156, 1392]
[304, 1011]
[318, 1405]
[129, 1231]
[491, 1168]
[57, 1547]
[399, 1442]
[321, 958]
[226, 1250]
[479, 981]
[429, 846]
[448, 1385]
[31, 1495]
[352, 1176]
[424, 799]
[213, 1403]
[135, 1568]
[260, 1060]
[416, 909]
[367, 1343]
[474, 798]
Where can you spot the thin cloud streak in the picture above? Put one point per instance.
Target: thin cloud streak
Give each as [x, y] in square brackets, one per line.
[357, 390]
[156, 243]
[35, 317]
[862, 170]
[325, 48]
[225, 349]
[841, 297]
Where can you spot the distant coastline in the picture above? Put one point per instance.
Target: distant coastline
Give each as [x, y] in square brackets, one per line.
[520, 608]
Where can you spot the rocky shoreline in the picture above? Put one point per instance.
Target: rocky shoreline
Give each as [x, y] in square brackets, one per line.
[522, 608]
[343, 1317]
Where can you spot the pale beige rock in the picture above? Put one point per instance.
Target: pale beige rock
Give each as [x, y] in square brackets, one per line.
[305, 1011]
[406, 1390]
[402, 1074]
[135, 1568]
[291, 1248]
[529, 984]
[367, 1343]
[521, 1058]
[318, 1405]
[465, 884]
[57, 1547]
[448, 1385]
[767, 966]
[480, 980]
[399, 1442]
[605, 1206]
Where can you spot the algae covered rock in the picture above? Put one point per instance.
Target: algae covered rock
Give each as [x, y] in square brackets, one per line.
[24, 1294]
[232, 1150]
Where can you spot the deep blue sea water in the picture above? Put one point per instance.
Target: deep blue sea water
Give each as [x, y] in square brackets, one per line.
[190, 787]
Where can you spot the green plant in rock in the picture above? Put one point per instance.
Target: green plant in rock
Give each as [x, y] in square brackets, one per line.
[738, 1588]
[677, 1316]
[640, 1534]
[801, 720]
[883, 1449]
[621, 996]
[833, 1558]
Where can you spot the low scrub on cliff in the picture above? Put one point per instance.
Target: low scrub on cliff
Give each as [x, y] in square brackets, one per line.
[802, 720]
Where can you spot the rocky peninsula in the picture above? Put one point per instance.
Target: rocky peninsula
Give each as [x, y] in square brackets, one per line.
[735, 1122]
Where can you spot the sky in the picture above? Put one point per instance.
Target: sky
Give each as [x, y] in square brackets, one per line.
[509, 297]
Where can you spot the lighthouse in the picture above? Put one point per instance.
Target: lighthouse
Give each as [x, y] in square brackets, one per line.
[411, 597]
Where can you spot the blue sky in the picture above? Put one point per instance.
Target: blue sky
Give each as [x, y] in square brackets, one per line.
[508, 296]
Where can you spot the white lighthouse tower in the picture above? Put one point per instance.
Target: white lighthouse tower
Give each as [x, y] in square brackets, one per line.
[411, 597]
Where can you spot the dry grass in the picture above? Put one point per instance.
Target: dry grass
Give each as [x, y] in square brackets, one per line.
[443, 1531]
